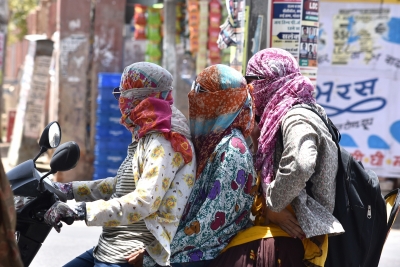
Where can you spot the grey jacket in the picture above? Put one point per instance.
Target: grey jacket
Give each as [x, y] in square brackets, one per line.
[308, 153]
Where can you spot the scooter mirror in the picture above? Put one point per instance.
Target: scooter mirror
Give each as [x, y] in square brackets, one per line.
[65, 157]
[50, 138]
[54, 135]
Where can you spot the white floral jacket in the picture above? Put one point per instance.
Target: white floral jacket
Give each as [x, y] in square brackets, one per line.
[163, 184]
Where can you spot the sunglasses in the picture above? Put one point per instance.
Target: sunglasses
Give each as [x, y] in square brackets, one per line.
[116, 93]
[197, 88]
[251, 78]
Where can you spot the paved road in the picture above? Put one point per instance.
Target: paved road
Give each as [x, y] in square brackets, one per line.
[390, 255]
[60, 248]
[73, 240]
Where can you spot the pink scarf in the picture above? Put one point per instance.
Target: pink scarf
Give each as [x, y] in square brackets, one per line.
[283, 87]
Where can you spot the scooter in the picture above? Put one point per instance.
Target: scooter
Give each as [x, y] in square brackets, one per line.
[35, 193]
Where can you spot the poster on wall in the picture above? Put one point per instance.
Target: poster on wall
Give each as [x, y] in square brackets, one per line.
[358, 79]
[293, 26]
[237, 10]
[284, 25]
[308, 39]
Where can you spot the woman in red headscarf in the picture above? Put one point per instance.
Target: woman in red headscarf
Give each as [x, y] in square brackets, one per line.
[139, 209]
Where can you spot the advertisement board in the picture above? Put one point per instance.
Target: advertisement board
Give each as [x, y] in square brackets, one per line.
[358, 79]
[293, 26]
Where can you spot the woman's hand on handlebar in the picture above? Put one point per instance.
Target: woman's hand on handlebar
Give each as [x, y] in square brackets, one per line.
[60, 211]
[287, 221]
[66, 188]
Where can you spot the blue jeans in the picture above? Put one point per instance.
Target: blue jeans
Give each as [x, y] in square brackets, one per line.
[191, 264]
[87, 260]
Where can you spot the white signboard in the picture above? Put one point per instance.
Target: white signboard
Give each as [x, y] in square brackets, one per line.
[358, 79]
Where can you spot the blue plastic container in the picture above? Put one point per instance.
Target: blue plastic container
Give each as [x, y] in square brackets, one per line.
[110, 156]
[106, 79]
[108, 106]
[107, 119]
[112, 132]
[104, 145]
[112, 139]
[105, 96]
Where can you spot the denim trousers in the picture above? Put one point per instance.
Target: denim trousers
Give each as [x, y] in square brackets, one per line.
[87, 260]
[191, 264]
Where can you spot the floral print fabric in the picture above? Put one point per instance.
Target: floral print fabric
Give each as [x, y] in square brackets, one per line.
[122, 240]
[163, 184]
[94, 190]
[225, 105]
[283, 87]
[219, 205]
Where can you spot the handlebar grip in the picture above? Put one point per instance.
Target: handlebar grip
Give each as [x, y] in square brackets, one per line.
[68, 220]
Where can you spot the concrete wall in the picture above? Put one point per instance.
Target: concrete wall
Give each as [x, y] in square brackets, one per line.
[90, 42]
[72, 60]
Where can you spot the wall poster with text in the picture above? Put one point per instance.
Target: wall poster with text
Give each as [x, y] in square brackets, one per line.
[293, 26]
[358, 78]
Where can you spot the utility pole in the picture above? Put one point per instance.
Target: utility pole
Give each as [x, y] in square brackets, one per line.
[3, 34]
[169, 52]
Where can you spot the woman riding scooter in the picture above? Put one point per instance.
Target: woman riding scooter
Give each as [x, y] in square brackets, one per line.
[140, 208]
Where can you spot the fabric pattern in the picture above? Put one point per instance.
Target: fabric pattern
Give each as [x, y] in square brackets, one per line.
[9, 252]
[58, 211]
[225, 105]
[145, 104]
[315, 248]
[308, 153]
[163, 184]
[283, 87]
[219, 205]
[122, 240]
[141, 206]
[94, 190]
[66, 188]
[267, 252]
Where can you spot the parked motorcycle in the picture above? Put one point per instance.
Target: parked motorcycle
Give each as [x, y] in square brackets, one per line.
[35, 193]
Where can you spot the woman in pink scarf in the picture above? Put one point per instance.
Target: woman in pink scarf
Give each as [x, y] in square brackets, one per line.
[292, 146]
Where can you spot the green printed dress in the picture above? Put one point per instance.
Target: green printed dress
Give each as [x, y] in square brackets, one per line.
[219, 205]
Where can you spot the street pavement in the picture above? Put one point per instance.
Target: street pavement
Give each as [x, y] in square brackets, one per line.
[59, 248]
[390, 255]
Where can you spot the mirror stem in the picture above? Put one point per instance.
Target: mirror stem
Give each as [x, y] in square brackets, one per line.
[40, 185]
[42, 150]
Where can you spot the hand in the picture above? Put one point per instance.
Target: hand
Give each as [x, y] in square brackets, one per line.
[60, 211]
[287, 221]
[255, 134]
[66, 188]
[136, 258]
